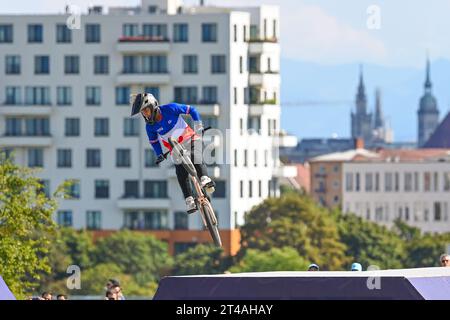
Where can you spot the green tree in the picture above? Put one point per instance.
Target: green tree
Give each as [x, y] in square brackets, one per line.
[201, 259]
[140, 255]
[26, 227]
[369, 243]
[295, 221]
[276, 259]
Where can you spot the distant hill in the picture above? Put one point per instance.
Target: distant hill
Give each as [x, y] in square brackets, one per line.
[401, 91]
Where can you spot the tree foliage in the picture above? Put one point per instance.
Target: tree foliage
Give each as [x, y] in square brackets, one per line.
[201, 259]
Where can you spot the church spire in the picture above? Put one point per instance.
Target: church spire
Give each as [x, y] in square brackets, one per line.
[428, 81]
[379, 121]
[361, 88]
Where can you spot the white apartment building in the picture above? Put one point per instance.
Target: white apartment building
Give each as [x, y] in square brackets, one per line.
[64, 96]
[412, 185]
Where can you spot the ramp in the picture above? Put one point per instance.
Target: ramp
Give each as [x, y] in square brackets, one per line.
[5, 293]
[402, 284]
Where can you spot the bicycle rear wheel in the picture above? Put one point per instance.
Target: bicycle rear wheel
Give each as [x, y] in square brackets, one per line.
[211, 223]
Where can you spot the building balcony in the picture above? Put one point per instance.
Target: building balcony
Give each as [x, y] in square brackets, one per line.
[265, 79]
[286, 141]
[143, 203]
[208, 109]
[285, 171]
[26, 141]
[143, 44]
[257, 47]
[25, 110]
[143, 78]
[213, 172]
[258, 109]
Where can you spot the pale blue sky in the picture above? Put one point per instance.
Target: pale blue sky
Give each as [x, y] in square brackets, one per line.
[329, 31]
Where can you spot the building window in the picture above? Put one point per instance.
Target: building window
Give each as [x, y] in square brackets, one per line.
[190, 64]
[180, 32]
[101, 189]
[408, 182]
[122, 95]
[156, 220]
[220, 191]
[130, 64]
[123, 158]
[154, 91]
[235, 157]
[101, 64]
[397, 181]
[235, 27]
[63, 34]
[369, 182]
[181, 220]
[437, 211]
[260, 188]
[388, 182]
[13, 96]
[245, 158]
[12, 64]
[149, 158]
[235, 95]
[186, 95]
[64, 96]
[209, 32]
[93, 96]
[131, 189]
[155, 31]
[244, 34]
[35, 127]
[101, 127]
[93, 158]
[64, 158]
[6, 33]
[427, 181]
[436, 181]
[64, 218]
[92, 34]
[37, 96]
[416, 181]
[35, 32]
[377, 182]
[241, 65]
[45, 187]
[130, 29]
[74, 189]
[154, 64]
[241, 188]
[93, 220]
[255, 158]
[266, 158]
[155, 189]
[35, 158]
[72, 127]
[357, 185]
[446, 181]
[13, 127]
[131, 127]
[209, 95]
[349, 182]
[218, 64]
[250, 189]
[71, 64]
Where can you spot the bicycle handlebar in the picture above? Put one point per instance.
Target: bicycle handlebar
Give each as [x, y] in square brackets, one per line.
[168, 152]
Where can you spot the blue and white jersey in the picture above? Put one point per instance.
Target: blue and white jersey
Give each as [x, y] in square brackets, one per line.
[171, 125]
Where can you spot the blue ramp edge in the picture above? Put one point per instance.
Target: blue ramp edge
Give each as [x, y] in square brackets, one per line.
[5, 293]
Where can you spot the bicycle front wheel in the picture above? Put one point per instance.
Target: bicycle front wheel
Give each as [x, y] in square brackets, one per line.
[211, 223]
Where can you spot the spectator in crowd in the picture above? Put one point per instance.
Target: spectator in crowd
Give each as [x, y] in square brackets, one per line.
[110, 295]
[313, 267]
[47, 296]
[111, 283]
[61, 297]
[118, 291]
[445, 260]
[356, 267]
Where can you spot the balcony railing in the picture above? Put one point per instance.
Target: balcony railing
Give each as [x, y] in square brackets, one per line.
[144, 39]
[260, 40]
[263, 102]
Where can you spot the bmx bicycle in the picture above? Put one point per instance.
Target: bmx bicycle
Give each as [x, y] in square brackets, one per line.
[201, 197]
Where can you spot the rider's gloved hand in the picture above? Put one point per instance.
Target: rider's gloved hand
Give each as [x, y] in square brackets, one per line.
[160, 159]
[198, 128]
